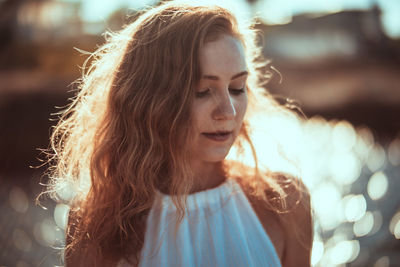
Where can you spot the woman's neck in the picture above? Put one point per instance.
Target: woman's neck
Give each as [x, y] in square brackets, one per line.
[207, 175]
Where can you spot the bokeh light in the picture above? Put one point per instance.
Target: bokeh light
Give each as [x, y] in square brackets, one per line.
[394, 225]
[382, 262]
[376, 158]
[354, 207]
[344, 251]
[18, 200]
[364, 226]
[377, 185]
[324, 200]
[378, 221]
[61, 215]
[21, 240]
[332, 157]
[47, 233]
[317, 251]
[394, 152]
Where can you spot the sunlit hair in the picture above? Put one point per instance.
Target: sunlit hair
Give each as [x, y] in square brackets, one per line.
[126, 132]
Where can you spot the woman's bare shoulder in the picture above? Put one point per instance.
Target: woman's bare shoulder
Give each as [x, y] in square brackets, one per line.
[297, 223]
[290, 229]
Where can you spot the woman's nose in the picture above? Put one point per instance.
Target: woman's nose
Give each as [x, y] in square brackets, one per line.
[224, 108]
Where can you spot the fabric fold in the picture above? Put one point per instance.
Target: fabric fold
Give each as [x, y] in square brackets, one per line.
[220, 229]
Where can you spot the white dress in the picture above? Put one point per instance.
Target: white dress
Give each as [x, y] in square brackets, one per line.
[220, 229]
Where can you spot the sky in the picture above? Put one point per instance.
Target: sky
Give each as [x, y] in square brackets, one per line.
[270, 11]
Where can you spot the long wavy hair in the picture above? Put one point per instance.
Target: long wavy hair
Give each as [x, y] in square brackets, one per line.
[126, 132]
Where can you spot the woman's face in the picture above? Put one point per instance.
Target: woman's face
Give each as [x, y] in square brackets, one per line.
[220, 100]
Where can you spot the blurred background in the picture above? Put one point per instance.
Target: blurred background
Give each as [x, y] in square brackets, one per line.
[339, 59]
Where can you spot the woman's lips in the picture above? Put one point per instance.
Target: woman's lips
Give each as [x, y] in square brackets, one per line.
[218, 136]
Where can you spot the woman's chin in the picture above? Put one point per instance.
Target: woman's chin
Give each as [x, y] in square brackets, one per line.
[216, 157]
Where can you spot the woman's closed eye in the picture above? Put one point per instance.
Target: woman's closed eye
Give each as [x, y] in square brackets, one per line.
[233, 91]
[200, 94]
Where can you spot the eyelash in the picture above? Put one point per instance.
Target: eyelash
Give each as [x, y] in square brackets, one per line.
[234, 91]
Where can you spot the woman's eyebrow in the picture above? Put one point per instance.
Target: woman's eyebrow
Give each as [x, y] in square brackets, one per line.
[216, 78]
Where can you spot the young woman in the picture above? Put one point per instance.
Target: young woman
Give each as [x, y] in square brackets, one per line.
[144, 146]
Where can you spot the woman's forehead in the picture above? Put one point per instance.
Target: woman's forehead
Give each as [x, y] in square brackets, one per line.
[223, 58]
